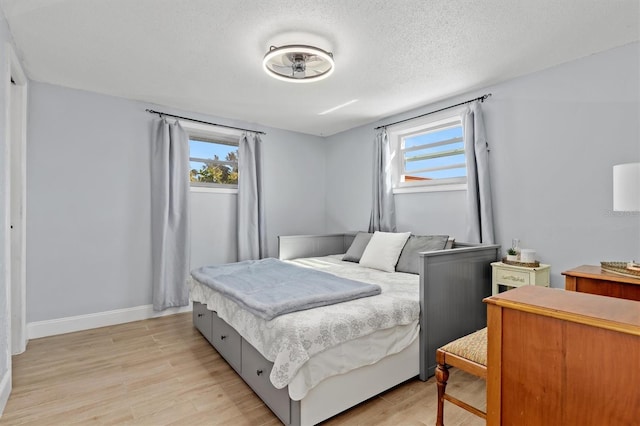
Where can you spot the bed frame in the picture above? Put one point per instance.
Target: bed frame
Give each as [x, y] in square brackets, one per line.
[452, 285]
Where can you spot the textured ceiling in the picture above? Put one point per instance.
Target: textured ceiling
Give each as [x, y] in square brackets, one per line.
[205, 55]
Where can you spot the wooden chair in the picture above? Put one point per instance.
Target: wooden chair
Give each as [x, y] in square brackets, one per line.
[468, 353]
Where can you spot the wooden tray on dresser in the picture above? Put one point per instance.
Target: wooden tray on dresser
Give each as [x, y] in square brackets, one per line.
[593, 279]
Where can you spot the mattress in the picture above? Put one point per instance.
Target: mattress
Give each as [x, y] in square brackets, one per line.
[308, 346]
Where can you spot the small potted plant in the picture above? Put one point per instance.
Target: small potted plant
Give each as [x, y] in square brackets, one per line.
[512, 255]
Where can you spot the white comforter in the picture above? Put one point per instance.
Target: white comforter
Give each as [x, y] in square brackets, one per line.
[290, 340]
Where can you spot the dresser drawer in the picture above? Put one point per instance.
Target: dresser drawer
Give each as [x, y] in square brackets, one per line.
[512, 278]
[202, 319]
[255, 371]
[227, 341]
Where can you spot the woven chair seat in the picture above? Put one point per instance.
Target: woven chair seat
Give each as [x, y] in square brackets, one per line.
[472, 347]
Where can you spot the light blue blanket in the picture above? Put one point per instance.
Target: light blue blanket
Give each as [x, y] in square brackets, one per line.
[270, 287]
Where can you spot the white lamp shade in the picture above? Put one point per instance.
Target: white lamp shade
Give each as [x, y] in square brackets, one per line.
[626, 187]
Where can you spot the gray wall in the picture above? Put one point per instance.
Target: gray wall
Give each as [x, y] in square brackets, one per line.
[88, 236]
[554, 137]
[213, 220]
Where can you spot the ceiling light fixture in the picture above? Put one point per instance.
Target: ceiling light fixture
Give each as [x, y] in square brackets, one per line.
[298, 63]
[338, 107]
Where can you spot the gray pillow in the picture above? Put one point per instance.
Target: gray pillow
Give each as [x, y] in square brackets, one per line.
[409, 260]
[357, 247]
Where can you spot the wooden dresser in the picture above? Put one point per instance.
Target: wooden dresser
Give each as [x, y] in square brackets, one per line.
[562, 358]
[594, 280]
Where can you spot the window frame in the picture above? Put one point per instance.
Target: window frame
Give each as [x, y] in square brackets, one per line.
[215, 134]
[400, 131]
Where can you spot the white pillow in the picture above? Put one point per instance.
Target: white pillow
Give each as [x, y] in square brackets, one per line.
[383, 250]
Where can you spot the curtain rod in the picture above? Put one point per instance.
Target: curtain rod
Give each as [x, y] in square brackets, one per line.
[480, 98]
[203, 122]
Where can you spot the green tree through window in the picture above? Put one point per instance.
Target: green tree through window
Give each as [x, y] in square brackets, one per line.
[213, 162]
[218, 171]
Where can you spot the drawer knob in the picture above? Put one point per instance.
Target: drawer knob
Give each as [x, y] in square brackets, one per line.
[258, 372]
[223, 337]
[199, 315]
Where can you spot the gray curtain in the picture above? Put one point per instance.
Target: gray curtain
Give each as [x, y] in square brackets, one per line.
[251, 221]
[479, 209]
[383, 211]
[169, 215]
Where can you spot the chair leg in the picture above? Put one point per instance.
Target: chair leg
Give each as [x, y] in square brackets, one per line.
[442, 375]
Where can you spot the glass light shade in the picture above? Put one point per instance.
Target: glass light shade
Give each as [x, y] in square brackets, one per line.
[298, 63]
[626, 187]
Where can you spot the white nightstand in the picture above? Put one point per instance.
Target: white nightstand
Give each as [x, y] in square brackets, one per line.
[517, 276]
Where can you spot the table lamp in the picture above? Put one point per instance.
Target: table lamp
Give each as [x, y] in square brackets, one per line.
[626, 187]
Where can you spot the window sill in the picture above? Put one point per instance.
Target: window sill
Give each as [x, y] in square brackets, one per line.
[212, 190]
[431, 188]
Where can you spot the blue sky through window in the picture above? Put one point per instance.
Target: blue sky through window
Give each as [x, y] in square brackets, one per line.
[428, 138]
[208, 150]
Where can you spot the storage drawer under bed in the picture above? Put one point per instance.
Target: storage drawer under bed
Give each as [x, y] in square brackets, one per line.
[243, 358]
[255, 371]
[227, 342]
[202, 319]
[221, 335]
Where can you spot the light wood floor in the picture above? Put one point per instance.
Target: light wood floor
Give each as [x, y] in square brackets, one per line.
[163, 372]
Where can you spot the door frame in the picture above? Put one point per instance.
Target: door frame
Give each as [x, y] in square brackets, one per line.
[15, 216]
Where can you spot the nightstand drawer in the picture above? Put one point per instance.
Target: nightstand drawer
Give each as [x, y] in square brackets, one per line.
[513, 278]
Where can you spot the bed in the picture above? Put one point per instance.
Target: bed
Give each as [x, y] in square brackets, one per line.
[441, 303]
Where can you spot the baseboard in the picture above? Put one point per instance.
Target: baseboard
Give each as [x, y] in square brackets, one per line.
[100, 319]
[5, 391]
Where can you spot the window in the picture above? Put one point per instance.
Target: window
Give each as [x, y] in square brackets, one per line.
[213, 162]
[429, 155]
[213, 157]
